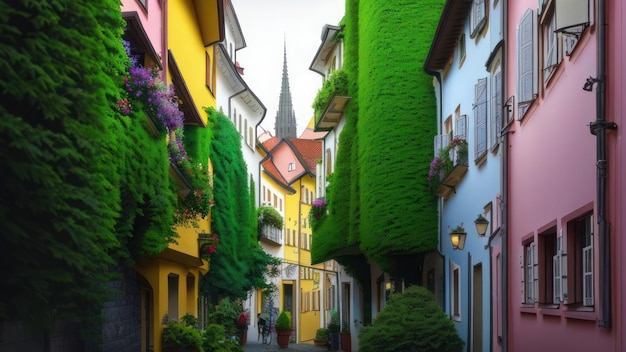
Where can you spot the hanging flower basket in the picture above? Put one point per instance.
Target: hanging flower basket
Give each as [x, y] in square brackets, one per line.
[207, 244]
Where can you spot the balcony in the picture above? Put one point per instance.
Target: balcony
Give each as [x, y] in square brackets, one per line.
[330, 102]
[271, 235]
[448, 168]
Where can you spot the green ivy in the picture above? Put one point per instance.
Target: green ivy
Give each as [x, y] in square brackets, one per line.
[336, 85]
[240, 263]
[60, 197]
[385, 208]
[270, 216]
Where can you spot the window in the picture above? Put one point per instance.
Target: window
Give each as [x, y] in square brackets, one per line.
[496, 107]
[292, 167]
[461, 49]
[329, 162]
[526, 62]
[478, 17]
[209, 73]
[551, 56]
[455, 291]
[144, 4]
[529, 269]
[549, 263]
[480, 118]
[580, 261]
[460, 129]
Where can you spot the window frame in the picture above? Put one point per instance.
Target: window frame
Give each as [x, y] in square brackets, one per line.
[526, 71]
[578, 296]
[481, 117]
[455, 292]
[478, 22]
[529, 267]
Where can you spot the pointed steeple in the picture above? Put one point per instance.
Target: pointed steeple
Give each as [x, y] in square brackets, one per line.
[285, 125]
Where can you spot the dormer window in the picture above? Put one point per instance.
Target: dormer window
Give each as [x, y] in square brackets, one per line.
[292, 167]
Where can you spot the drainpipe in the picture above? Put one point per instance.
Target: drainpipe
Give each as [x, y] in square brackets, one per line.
[504, 282]
[599, 128]
[437, 75]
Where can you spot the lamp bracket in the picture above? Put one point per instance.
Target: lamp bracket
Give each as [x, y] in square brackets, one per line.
[601, 124]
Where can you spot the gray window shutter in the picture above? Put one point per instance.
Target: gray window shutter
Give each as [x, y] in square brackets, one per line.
[526, 59]
[496, 120]
[480, 116]
[461, 127]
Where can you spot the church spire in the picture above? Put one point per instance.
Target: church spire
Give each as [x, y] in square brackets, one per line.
[285, 125]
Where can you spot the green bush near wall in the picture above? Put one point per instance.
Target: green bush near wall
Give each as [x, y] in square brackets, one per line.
[411, 321]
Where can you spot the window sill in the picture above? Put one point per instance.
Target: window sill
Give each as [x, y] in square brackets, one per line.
[527, 309]
[581, 314]
[550, 310]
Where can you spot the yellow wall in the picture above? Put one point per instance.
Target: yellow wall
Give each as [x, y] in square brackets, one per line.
[185, 42]
[156, 272]
[181, 259]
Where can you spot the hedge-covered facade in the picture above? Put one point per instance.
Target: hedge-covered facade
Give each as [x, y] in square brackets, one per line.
[381, 207]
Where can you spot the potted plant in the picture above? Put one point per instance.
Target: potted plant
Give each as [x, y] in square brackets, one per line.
[346, 340]
[283, 329]
[333, 329]
[178, 336]
[321, 337]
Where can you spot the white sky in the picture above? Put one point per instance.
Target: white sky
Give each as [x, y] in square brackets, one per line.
[265, 26]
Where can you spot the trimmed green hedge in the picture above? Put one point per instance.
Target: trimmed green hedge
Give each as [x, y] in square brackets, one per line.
[411, 321]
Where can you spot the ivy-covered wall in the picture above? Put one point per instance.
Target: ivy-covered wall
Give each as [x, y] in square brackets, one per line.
[239, 263]
[380, 199]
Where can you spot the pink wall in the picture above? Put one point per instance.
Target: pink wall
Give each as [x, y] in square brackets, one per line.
[616, 94]
[151, 20]
[552, 176]
[282, 156]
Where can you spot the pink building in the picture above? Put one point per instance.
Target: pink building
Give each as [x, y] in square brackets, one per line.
[563, 288]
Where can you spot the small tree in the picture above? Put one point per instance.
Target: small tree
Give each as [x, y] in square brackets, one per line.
[411, 321]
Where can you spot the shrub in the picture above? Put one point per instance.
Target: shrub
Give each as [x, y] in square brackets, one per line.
[411, 321]
[322, 334]
[214, 339]
[284, 321]
[181, 334]
[333, 325]
[270, 216]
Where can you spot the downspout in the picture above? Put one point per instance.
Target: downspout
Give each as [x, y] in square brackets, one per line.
[504, 209]
[599, 128]
[437, 75]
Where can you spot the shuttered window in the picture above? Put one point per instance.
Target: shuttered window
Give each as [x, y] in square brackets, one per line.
[478, 18]
[527, 76]
[480, 117]
[496, 108]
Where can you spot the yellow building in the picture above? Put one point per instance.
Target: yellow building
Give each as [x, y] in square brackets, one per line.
[179, 40]
[289, 176]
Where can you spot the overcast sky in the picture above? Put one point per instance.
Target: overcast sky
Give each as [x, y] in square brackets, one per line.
[266, 25]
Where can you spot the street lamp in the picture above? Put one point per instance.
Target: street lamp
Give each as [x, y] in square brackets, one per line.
[457, 239]
[481, 225]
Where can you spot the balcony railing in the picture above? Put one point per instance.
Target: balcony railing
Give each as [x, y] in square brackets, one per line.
[271, 234]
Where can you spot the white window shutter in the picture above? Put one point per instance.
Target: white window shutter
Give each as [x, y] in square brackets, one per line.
[588, 264]
[557, 286]
[526, 57]
[496, 103]
[461, 127]
[480, 117]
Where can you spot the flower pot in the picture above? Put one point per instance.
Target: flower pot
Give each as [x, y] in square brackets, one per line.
[321, 343]
[346, 342]
[283, 337]
[334, 340]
